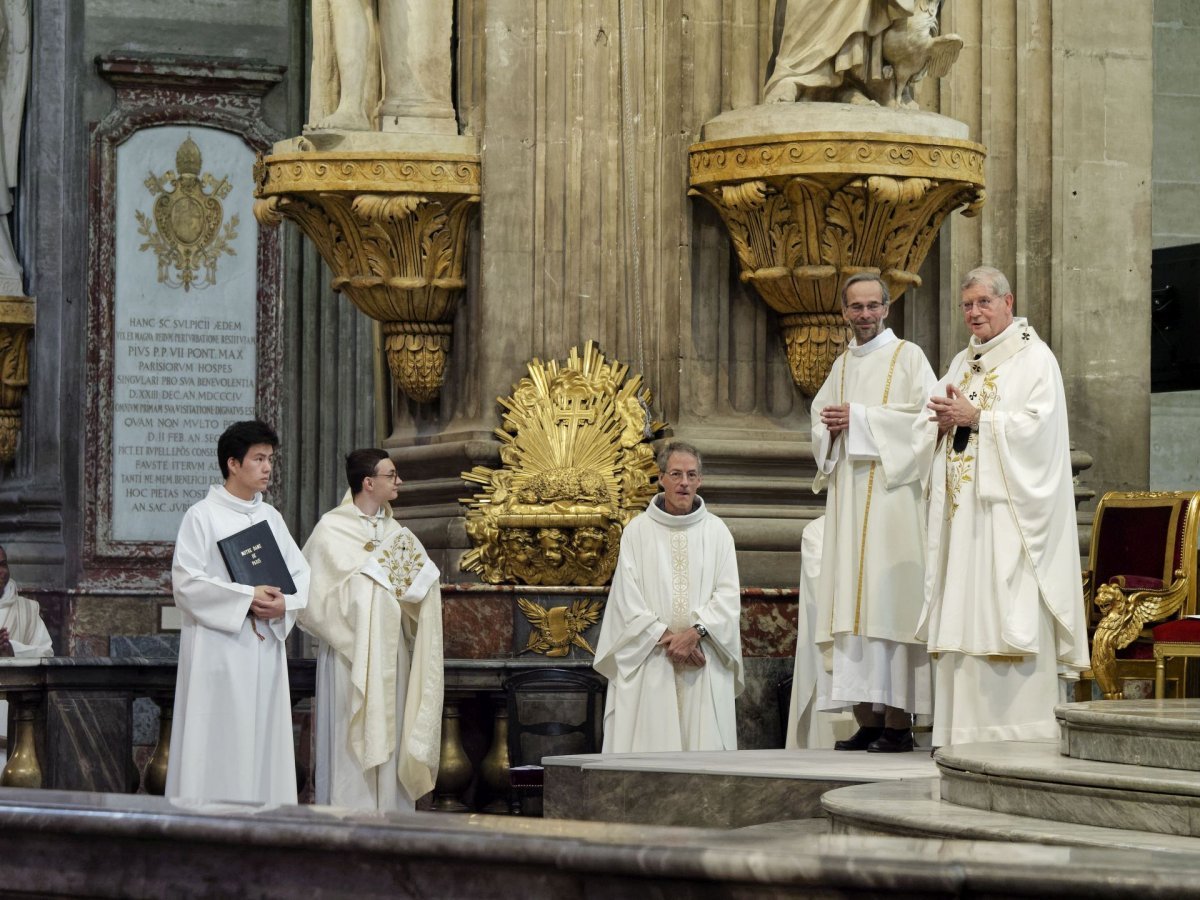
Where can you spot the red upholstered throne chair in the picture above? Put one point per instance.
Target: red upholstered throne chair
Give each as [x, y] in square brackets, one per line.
[1141, 586]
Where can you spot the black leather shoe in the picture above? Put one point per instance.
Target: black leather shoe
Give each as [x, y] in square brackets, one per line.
[861, 739]
[893, 740]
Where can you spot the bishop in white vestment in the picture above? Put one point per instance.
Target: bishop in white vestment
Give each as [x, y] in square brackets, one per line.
[375, 604]
[231, 737]
[670, 644]
[1004, 601]
[874, 460]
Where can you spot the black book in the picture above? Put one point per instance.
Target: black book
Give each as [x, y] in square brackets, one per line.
[253, 557]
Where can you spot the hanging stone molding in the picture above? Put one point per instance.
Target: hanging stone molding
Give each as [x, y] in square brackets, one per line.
[392, 226]
[807, 211]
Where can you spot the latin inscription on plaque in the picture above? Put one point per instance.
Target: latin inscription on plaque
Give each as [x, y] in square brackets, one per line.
[184, 350]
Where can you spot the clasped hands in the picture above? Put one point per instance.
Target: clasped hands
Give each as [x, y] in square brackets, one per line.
[268, 602]
[683, 647]
[836, 418]
[953, 410]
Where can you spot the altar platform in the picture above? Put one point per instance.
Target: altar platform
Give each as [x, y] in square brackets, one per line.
[714, 790]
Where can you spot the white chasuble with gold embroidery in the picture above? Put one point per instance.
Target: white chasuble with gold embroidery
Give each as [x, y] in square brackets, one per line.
[673, 572]
[378, 616]
[872, 571]
[1003, 596]
[872, 559]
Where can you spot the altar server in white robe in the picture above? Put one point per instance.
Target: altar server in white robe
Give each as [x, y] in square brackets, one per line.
[670, 644]
[231, 737]
[23, 635]
[1003, 602]
[375, 605]
[874, 460]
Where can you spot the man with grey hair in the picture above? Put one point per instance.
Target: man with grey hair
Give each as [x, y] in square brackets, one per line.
[1003, 597]
[670, 645]
[870, 582]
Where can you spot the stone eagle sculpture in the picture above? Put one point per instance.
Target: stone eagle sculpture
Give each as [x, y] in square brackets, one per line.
[859, 51]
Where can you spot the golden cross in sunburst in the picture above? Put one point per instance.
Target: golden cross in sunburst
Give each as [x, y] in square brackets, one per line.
[573, 415]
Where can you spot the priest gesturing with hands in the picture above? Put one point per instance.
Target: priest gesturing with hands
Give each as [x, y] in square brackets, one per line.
[670, 644]
[1003, 596]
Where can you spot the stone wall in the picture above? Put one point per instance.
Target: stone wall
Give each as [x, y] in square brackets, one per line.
[1175, 415]
[1059, 91]
[1176, 123]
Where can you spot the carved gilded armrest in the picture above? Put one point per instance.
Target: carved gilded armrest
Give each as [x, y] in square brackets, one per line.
[1124, 616]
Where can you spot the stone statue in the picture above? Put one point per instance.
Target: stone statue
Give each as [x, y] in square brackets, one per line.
[14, 79]
[381, 65]
[859, 51]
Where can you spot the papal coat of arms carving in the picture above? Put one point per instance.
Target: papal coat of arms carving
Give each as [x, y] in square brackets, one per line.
[184, 230]
[578, 465]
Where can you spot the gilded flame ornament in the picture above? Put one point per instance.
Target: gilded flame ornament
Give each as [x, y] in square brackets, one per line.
[185, 230]
[555, 629]
[578, 466]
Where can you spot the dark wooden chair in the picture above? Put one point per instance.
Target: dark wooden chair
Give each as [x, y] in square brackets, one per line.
[551, 712]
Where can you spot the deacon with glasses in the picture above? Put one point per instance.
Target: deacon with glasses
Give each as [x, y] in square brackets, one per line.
[871, 579]
[1003, 598]
[375, 606]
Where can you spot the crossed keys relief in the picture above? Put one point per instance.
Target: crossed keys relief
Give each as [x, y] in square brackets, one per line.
[185, 231]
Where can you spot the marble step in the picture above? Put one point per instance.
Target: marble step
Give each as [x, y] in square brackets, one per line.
[914, 808]
[1160, 733]
[1035, 780]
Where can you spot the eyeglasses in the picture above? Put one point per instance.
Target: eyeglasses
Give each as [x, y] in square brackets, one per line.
[858, 308]
[984, 303]
[680, 475]
[393, 475]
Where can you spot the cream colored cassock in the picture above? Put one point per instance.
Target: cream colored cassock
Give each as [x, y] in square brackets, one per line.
[1004, 601]
[673, 571]
[27, 633]
[378, 616]
[871, 585]
[231, 737]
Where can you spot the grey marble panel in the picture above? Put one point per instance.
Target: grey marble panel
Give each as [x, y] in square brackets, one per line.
[1159, 733]
[88, 742]
[677, 798]
[914, 808]
[1091, 806]
[145, 722]
[966, 789]
[144, 646]
[759, 721]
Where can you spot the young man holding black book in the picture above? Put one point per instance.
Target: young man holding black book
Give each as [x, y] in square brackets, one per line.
[232, 732]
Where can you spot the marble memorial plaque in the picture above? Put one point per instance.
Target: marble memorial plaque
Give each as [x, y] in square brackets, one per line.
[184, 324]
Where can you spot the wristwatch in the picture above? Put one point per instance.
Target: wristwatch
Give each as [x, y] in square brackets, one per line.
[701, 630]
